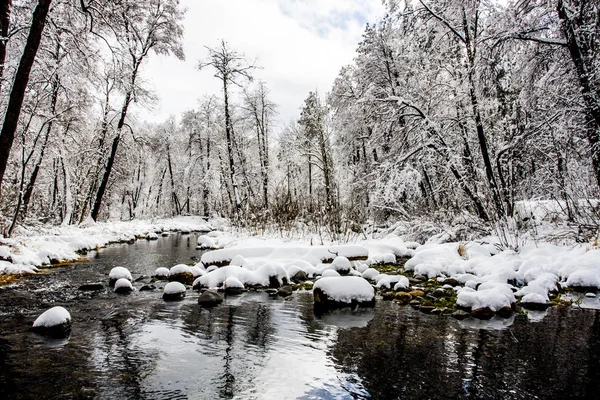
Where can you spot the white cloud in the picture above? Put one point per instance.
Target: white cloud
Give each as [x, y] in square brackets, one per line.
[301, 45]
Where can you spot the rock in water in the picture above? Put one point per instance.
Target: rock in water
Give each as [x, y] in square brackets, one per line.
[181, 273]
[300, 277]
[285, 291]
[233, 286]
[123, 286]
[161, 273]
[210, 298]
[118, 273]
[55, 322]
[174, 291]
[91, 287]
[343, 291]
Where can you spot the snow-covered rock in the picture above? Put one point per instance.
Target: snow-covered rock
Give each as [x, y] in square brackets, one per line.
[55, 322]
[341, 265]
[343, 290]
[489, 295]
[329, 273]
[161, 273]
[181, 273]
[152, 236]
[370, 274]
[174, 291]
[119, 273]
[123, 286]
[206, 242]
[233, 285]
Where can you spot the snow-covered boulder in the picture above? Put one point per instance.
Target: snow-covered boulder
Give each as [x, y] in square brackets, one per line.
[118, 273]
[197, 271]
[343, 291]
[328, 273]
[341, 265]
[233, 285]
[370, 274]
[206, 242]
[584, 279]
[161, 273]
[535, 301]
[123, 286]
[55, 322]
[152, 236]
[402, 284]
[181, 273]
[174, 291]
[385, 281]
[488, 299]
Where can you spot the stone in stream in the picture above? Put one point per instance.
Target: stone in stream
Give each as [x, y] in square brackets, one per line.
[482, 313]
[403, 297]
[300, 277]
[174, 291]
[210, 298]
[460, 314]
[55, 322]
[285, 291]
[233, 286]
[118, 273]
[146, 288]
[451, 281]
[505, 312]
[181, 273]
[90, 287]
[123, 286]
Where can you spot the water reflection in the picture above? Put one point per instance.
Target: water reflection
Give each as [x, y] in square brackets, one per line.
[256, 347]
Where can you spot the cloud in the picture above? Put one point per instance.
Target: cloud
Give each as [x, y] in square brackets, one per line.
[301, 46]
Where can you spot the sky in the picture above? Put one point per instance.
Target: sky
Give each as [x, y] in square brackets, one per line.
[300, 45]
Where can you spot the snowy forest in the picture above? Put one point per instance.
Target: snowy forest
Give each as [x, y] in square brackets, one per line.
[452, 111]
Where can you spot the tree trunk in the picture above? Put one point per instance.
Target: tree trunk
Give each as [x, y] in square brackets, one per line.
[4, 25]
[228, 137]
[17, 94]
[579, 55]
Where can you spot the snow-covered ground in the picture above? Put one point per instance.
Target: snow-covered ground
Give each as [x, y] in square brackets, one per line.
[32, 248]
[488, 277]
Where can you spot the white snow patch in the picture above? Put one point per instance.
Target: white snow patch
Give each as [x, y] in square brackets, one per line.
[346, 289]
[52, 317]
[174, 288]
[119, 273]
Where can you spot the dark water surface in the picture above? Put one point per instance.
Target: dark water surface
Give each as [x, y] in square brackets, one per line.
[255, 347]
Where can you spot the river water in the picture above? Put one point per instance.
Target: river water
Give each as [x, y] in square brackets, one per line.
[256, 347]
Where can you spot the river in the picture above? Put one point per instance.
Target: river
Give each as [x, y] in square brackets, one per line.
[253, 346]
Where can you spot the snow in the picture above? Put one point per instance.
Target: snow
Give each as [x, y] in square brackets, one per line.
[180, 269]
[123, 283]
[329, 273]
[402, 283]
[206, 242]
[161, 272]
[39, 245]
[285, 253]
[119, 273]
[233, 282]
[174, 288]
[52, 317]
[534, 298]
[389, 281]
[346, 289]
[492, 295]
[370, 273]
[341, 264]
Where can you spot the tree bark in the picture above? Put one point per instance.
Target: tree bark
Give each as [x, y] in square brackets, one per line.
[17, 94]
[579, 55]
[4, 26]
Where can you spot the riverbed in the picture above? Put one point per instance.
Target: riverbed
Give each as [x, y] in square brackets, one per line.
[253, 346]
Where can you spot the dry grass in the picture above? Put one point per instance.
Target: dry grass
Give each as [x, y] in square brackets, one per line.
[462, 250]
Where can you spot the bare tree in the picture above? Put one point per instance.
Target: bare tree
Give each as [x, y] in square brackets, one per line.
[230, 67]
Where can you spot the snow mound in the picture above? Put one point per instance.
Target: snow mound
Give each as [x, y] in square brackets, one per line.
[346, 289]
[119, 273]
[53, 317]
[174, 288]
[584, 278]
[232, 282]
[328, 273]
[180, 269]
[535, 298]
[370, 273]
[341, 264]
[161, 272]
[123, 283]
[403, 283]
[494, 296]
[206, 242]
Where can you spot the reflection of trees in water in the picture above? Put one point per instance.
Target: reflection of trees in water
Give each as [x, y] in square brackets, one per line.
[405, 354]
[125, 365]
